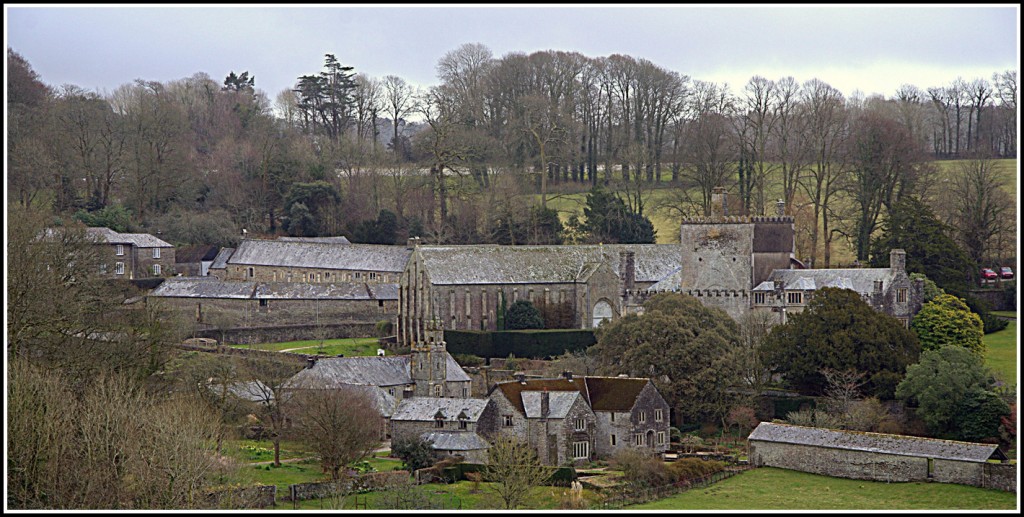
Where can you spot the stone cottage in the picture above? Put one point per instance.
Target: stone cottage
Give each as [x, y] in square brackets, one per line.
[464, 287]
[878, 457]
[583, 418]
[455, 426]
[133, 256]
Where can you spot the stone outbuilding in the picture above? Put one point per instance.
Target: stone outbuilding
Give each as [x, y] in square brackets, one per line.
[878, 457]
[455, 426]
[315, 261]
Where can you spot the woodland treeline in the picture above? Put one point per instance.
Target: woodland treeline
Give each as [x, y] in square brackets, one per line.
[477, 157]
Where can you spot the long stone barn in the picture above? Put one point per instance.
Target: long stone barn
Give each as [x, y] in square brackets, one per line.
[879, 457]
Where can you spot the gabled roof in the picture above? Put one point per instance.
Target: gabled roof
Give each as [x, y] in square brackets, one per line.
[672, 283]
[601, 393]
[861, 280]
[559, 403]
[221, 260]
[426, 409]
[874, 442]
[455, 440]
[197, 253]
[212, 287]
[340, 239]
[321, 255]
[139, 240]
[496, 264]
[333, 372]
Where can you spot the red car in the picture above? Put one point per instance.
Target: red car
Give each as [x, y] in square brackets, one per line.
[1006, 273]
[988, 274]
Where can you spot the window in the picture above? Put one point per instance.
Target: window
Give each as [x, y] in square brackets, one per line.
[580, 424]
[794, 298]
[103, 269]
[638, 440]
[901, 295]
[327, 275]
[251, 272]
[373, 276]
[120, 250]
[642, 416]
[263, 302]
[156, 252]
[156, 269]
[580, 450]
[462, 424]
[311, 277]
[391, 391]
[119, 268]
[507, 420]
[358, 276]
[612, 416]
[759, 298]
[661, 438]
[438, 423]
[659, 415]
[465, 392]
[905, 322]
[613, 440]
[438, 391]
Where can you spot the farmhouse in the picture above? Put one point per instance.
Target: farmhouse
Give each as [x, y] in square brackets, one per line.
[577, 419]
[878, 457]
[132, 256]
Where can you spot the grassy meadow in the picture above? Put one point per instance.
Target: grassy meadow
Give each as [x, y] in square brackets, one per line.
[1001, 353]
[779, 489]
[351, 347]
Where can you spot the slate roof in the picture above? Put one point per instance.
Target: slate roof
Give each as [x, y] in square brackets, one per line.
[340, 239]
[495, 264]
[212, 287]
[425, 409]
[221, 260]
[333, 372]
[873, 442]
[198, 253]
[861, 280]
[321, 255]
[559, 403]
[139, 240]
[671, 283]
[601, 393]
[455, 440]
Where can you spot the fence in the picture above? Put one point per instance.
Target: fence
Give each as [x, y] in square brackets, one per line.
[629, 495]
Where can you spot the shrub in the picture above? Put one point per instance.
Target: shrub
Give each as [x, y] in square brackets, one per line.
[641, 468]
[415, 453]
[523, 315]
[469, 360]
[385, 328]
[689, 469]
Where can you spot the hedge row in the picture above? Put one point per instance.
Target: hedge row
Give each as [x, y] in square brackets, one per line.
[530, 344]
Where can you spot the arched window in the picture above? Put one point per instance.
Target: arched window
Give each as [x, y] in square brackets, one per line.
[602, 311]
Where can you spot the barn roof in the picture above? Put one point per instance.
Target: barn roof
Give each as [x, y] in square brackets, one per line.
[455, 440]
[426, 409]
[321, 255]
[203, 287]
[212, 287]
[496, 264]
[221, 260]
[392, 370]
[874, 442]
[860, 280]
[340, 239]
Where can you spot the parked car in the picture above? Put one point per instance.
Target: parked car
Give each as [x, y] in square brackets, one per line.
[988, 274]
[1006, 273]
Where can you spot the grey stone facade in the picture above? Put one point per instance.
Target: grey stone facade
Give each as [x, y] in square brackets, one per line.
[132, 256]
[872, 456]
[259, 260]
[454, 426]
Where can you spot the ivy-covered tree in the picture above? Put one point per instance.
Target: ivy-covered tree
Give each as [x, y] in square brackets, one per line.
[941, 384]
[609, 219]
[947, 320]
[913, 227]
[840, 331]
[522, 315]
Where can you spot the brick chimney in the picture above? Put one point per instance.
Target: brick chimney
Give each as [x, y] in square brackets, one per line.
[412, 243]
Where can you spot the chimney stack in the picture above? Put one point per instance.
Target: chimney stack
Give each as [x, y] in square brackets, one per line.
[568, 375]
[719, 209]
[412, 243]
[310, 362]
[407, 392]
[627, 271]
[520, 376]
[545, 403]
[780, 208]
[898, 260]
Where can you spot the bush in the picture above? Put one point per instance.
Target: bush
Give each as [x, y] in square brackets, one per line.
[522, 315]
[469, 360]
[415, 453]
[385, 328]
[689, 469]
[641, 468]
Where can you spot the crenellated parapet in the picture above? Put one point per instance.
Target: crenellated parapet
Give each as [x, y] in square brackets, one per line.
[740, 219]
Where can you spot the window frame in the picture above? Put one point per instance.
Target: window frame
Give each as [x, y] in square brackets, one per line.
[119, 251]
[507, 421]
[118, 268]
[156, 253]
[581, 450]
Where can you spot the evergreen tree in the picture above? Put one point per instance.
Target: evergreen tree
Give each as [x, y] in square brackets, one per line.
[522, 315]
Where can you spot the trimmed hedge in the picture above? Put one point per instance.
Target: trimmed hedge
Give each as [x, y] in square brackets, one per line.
[531, 344]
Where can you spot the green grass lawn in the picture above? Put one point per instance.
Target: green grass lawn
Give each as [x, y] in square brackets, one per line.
[1005, 314]
[780, 489]
[249, 451]
[1001, 354]
[351, 347]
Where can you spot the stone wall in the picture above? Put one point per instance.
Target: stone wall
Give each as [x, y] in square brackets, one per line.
[262, 313]
[1000, 476]
[283, 333]
[360, 483]
[260, 496]
[997, 299]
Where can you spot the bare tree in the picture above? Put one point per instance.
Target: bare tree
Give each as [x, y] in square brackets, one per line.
[514, 470]
[711, 141]
[266, 381]
[339, 424]
[826, 132]
[982, 211]
[399, 102]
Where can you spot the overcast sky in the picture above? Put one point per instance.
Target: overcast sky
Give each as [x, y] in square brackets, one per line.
[872, 48]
